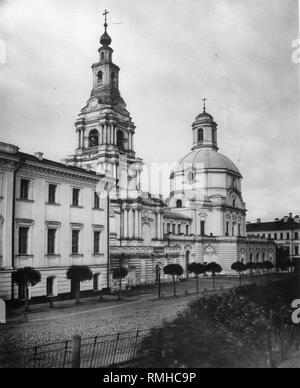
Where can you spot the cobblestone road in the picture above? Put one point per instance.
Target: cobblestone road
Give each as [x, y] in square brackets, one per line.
[135, 312]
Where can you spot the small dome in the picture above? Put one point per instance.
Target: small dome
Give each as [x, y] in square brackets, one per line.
[204, 115]
[208, 158]
[105, 39]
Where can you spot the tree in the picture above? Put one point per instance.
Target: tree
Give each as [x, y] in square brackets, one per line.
[26, 277]
[240, 268]
[119, 274]
[173, 270]
[252, 267]
[78, 274]
[213, 268]
[197, 269]
[268, 265]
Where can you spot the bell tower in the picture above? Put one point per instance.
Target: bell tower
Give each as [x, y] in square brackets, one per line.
[104, 127]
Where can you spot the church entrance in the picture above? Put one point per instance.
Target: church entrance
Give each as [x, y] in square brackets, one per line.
[187, 262]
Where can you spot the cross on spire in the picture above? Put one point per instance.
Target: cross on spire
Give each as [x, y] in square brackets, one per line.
[105, 18]
[204, 104]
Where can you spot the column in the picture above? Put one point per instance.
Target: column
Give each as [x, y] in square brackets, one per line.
[115, 135]
[129, 143]
[111, 134]
[82, 138]
[136, 224]
[125, 219]
[159, 225]
[104, 134]
[140, 224]
[79, 139]
[130, 223]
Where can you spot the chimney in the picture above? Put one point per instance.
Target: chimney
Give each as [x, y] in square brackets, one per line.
[290, 215]
[258, 221]
[39, 155]
[8, 148]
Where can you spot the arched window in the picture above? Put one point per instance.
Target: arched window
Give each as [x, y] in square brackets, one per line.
[168, 228]
[200, 135]
[233, 202]
[93, 138]
[99, 77]
[179, 203]
[214, 134]
[102, 55]
[120, 139]
[251, 257]
[190, 177]
[257, 257]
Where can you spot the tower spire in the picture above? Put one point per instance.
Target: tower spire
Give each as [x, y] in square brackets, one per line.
[106, 12]
[204, 104]
[105, 39]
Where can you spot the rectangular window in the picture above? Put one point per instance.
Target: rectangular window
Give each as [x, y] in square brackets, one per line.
[23, 241]
[269, 235]
[296, 236]
[275, 236]
[174, 229]
[202, 227]
[179, 229]
[24, 189]
[297, 250]
[51, 241]
[168, 228]
[239, 228]
[96, 201]
[97, 242]
[187, 229]
[281, 236]
[75, 242]
[75, 197]
[52, 194]
[288, 236]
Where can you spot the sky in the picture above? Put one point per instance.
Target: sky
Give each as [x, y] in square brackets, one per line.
[172, 53]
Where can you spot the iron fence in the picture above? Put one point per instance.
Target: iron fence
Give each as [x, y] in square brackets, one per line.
[95, 352]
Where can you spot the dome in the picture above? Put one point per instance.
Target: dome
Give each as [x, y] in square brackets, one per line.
[105, 39]
[210, 158]
[204, 116]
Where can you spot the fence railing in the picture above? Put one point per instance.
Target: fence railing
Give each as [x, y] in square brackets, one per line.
[94, 352]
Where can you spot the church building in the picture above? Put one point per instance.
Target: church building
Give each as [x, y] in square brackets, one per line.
[53, 215]
[204, 218]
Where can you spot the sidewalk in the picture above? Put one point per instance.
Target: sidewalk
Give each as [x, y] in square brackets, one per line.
[66, 307]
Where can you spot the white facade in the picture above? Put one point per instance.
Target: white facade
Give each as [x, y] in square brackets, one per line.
[45, 228]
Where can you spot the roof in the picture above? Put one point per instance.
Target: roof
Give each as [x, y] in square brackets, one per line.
[206, 158]
[273, 226]
[176, 216]
[51, 163]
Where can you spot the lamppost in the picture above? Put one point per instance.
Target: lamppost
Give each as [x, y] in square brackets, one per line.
[158, 278]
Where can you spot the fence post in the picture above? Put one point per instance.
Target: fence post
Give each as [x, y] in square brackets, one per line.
[76, 345]
[116, 347]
